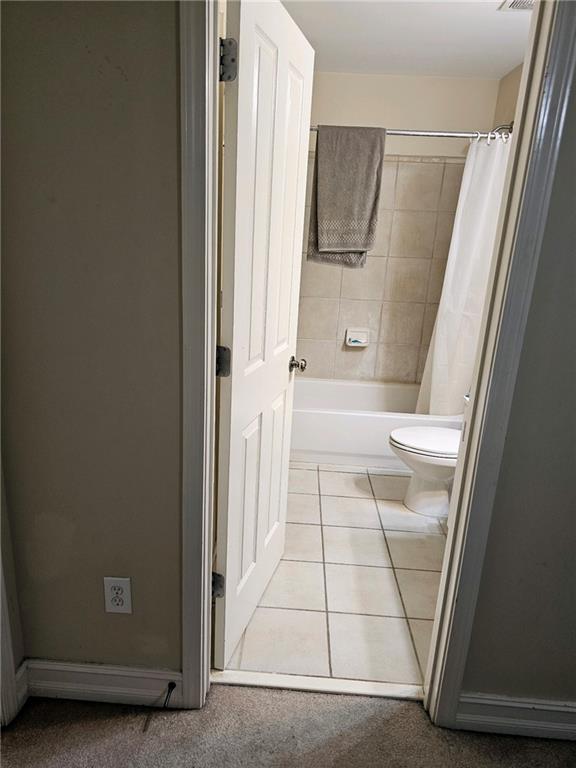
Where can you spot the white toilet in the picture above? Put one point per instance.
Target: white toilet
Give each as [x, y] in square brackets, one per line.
[431, 452]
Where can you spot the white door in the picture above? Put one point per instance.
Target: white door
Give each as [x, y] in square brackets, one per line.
[266, 135]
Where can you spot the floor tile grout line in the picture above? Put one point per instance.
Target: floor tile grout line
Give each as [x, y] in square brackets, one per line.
[376, 472]
[360, 565]
[365, 527]
[343, 613]
[376, 500]
[381, 526]
[325, 582]
[399, 591]
[241, 645]
[337, 562]
[372, 497]
[404, 530]
[241, 654]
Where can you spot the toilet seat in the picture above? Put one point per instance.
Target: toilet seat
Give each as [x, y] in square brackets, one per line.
[436, 442]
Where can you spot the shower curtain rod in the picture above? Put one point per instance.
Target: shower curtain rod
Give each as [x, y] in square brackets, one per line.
[504, 129]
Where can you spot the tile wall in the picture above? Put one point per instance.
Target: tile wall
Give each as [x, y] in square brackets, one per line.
[396, 294]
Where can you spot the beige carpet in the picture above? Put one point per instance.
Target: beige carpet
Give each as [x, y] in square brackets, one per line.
[259, 727]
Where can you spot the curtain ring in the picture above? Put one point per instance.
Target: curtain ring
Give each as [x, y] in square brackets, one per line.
[488, 138]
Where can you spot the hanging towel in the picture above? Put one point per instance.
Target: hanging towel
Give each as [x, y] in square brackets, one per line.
[345, 194]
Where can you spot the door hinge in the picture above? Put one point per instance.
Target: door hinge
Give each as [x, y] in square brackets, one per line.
[217, 584]
[228, 59]
[223, 356]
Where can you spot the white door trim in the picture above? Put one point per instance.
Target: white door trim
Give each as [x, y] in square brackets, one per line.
[11, 695]
[199, 166]
[538, 137]
[13, 682]
[405, 691]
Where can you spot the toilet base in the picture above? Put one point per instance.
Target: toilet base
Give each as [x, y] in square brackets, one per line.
[428, 497]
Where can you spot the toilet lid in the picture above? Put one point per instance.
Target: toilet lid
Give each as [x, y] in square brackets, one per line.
[434, 441]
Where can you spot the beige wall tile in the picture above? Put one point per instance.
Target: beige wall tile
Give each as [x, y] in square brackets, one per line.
[437, 269]
[418, 186]
[355, 363]
[382, 239]
[401, 322]
[397, 363]
[450, 187]
[319, 356]
[323, 280]
[407, 279]
[444, 227]
[428, 326]
[365, 283]
[422, 355]
[396, 294]
[388, 188]
[359, 314]
[318, 318]
[409, 158]
[413, 234]
[432, 159]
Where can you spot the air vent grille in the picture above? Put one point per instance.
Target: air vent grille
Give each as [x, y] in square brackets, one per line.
[517, 5]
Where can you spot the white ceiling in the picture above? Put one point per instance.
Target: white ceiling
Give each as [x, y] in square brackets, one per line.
[462, 38]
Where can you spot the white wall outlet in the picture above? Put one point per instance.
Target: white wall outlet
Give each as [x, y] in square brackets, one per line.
[117, 595]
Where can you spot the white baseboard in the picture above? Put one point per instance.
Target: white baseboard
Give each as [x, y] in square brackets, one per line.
[100, 682]
[22, 684]
[141, 686]
[518, 717]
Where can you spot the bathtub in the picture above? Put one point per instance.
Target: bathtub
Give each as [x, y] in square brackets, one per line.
[349, 422]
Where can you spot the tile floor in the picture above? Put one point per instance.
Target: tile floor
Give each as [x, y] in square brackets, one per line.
[355, 594]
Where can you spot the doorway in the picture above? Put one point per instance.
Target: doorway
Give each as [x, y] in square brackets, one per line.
[312, 530]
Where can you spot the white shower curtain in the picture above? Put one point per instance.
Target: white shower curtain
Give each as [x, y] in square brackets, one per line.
[452, 353]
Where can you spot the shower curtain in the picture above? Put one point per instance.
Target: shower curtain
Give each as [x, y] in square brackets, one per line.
[452, 353]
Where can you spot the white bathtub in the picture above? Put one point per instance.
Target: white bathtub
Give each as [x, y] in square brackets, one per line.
[349, 422]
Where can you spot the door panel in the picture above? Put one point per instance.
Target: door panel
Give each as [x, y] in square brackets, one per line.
[291, 223]
[276, 467]
[266, 132]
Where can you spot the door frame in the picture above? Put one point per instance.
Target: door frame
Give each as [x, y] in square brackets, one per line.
[521, 229]
[199, 76]
[544, 92]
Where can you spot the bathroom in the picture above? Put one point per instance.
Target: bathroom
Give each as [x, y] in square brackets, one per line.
[378, 412]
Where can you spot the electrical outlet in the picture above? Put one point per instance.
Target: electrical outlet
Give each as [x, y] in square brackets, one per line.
[117, 595]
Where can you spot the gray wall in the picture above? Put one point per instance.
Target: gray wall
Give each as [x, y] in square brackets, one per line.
[91, 396]
[525, 623]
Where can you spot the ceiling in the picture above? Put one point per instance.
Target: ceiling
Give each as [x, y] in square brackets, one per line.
[462, 38]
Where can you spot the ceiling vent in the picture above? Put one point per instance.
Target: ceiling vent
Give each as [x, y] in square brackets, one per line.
[517, 5]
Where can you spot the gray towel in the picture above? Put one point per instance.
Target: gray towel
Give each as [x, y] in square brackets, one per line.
[345, 194]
